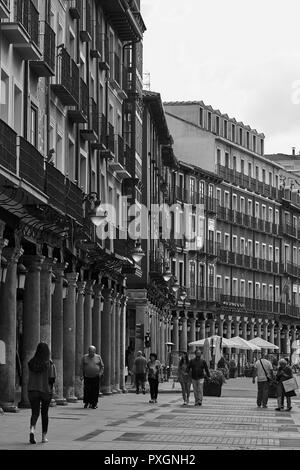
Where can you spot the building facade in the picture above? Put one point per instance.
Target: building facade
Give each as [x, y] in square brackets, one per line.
[70, 139]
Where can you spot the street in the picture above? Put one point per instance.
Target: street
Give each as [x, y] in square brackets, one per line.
[130, 422]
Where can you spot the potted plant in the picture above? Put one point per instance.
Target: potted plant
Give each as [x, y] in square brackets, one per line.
[232, 369]
[213, 384]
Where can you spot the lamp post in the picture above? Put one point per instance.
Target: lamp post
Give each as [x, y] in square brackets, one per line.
[96, 214]
[21, 275]
[137, 253]
[167, 274]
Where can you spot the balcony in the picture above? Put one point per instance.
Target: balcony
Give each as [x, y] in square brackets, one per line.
[23, 33]
[104, 62]
[80, 113]
[74, 197]
[289, 230]
[75, 9]
[8, 147]
[4, 9]
[31, 166]
[66, 87]
[180, 194]
[55, 188]
[118, 165]
[86, 33]
[127, 22]
[46, 66]
[291, 269]
[289, 198]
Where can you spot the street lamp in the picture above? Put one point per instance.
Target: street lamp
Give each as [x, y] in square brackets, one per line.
[4, 264]
[175, 286]
[96, 215]
[137, 253]
[183, 294]
[167, 274]
[21, 274]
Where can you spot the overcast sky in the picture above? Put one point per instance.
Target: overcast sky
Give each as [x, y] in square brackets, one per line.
[240, 57]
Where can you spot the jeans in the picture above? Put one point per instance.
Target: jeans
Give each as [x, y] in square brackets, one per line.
[153, 388]
[140, 380]
[262, 393]
[39, 402]
[185, 388]
[91, 390]
[198, 390]
[280, 397]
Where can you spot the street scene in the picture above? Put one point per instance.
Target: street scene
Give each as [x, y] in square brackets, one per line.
[149, 225]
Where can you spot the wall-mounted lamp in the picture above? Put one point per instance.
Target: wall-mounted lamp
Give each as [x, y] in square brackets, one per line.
[183, 294]
[167, 274]
[21, 275]
[96, 214]
[175, 286]
[137, 253]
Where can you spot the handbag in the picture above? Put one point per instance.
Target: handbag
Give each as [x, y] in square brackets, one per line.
[290, 384]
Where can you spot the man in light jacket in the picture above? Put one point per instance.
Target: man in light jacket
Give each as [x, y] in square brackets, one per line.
[263, 369]
[92, 368]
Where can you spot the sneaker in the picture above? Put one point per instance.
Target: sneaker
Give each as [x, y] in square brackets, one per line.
[151, 401]
[94, 407]
[196, 404]
[258, 406]
[184, 403]
[199, 404]
[44, 439]
[278, 409]
[32, 438]
[155, 401]
[265, 406]
[289, 408]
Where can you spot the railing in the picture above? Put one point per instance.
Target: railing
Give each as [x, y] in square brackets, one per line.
[31, 165]
[8, 147]
[74, 199]
[47, 44]
[288, 229]
[27, 14]
[111, 138]
[103, 125]
[95, 117]
[67, 79]
[84, 98]
[117, 69]
[74, 80]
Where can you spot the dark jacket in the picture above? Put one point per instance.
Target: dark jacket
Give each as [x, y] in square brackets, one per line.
[284, 374]
[197, 368]
[41, 379]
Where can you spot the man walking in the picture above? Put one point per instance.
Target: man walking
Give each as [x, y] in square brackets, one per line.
[263, 369]
[139, 369]
[91, 370]
[198, 368]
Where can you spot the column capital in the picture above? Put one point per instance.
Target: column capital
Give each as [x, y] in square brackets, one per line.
[253, 321]
[272, 323]
[266, 321]
[72, 279]
[259, 320]
[48, 264]
[33, 262]
[59, 269]
[81, 287]
[107, 293]
[98, 288]
[13, 254]
[89, 287]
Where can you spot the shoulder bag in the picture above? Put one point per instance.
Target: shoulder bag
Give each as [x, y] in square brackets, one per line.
[270, 380]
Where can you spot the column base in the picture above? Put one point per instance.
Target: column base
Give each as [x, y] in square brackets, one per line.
[10, 408]
[61, 402]
[72, 399]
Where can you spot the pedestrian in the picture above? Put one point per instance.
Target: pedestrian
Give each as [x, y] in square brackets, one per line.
[140, 369]
[154, 374]
[263, 369]
[199, 369]
[184, 378]
[42, 376]
[92, 369]
[284, 372]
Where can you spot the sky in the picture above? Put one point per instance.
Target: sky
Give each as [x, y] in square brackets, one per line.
[240, 57]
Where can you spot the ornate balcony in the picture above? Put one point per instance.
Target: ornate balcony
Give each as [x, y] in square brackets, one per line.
[55, 188]
[74, 197]
[80, 113]
[23, 33]
[66, 87]
[8, 147]
[31, 165]
[127, 22]
[104, 62]
[46, 66]
[118, 165]
[4, 9]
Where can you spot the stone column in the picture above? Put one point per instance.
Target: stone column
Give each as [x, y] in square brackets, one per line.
[175, 333]
[193, 332]
[183, 335]
[220, 327]
[123, 342]
[57, 333]
[69, 335]
[46, 300]
[162, 342]
[112, 343]
[96, 318]
[118, 343]
[258, 323]
[106, 339]
[212, 327]
[140, 314]
[31, 319]
[8, 324]
[79, 339]
[272, 323]
[244, 327]
[87, 341]
[287, 340]
[278, 337]
[202, 329]
[229, 323]
[252, 336]
[152, 330]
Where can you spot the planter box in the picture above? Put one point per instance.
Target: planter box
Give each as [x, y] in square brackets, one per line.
[212, 390]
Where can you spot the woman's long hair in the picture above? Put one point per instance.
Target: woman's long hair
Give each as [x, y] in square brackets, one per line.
[41, 359]
[184, 359]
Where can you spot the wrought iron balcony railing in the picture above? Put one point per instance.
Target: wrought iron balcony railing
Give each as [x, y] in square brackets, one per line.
[46, 66]
[8, 147]
[66, 87]
[31, 165]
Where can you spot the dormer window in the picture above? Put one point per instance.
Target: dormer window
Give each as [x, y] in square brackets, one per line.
[201, 117]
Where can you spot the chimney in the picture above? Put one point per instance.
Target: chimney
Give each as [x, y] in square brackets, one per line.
[293, 151]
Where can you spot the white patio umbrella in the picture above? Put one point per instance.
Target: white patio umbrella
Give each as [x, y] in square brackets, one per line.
[241, 343]
[226, 343]
[262, 343]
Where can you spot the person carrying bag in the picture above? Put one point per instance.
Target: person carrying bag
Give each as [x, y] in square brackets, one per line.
[286, 385]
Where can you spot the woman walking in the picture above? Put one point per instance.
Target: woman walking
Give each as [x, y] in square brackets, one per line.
[184, 378]
[284, 372]
[154, 372]
[42, 376]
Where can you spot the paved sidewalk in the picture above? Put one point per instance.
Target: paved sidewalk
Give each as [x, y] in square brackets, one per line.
[130, 422]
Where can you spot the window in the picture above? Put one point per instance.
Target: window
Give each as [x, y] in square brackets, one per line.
[234, 163]
[257, 290]
[226, 159]
[218, 156]
[234, 202]
[257, 173]
[243, 205]
[270, 253]
[270, 214]
[256, 249]
[210, 190]
[264, 251]
[33, 124]
[234, 287]
[225, 129]
[201, 191]
[219, 196]
[209, 121]
[226, 242]
[270, 178]
[294, 260]
[181, 280]
[276, 254]
[192, 189]
[277, 216]
[241, 137]
[219, 238]
[276, 181]
[217, 125]
[234, 244]
[250, 290]
[4, 97]
[250, 169]
[227, 286]
[211, 276]
[250, 207]
[261, 146]
[254, 143]
[219, 283]
[264, 212]
[263, 175]
[257, 210]
[83, 180]
[201, 117]
[270, 293]
[192, 279]
[264, 292]
[242, 246]
[18, 106]
[242, 292]
[277, 295]
[248, 140]
[250, 248]
[233, 133]
[226, 199]
[242, 166]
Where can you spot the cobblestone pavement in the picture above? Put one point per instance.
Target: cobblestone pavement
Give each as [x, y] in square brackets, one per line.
[129, 422]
